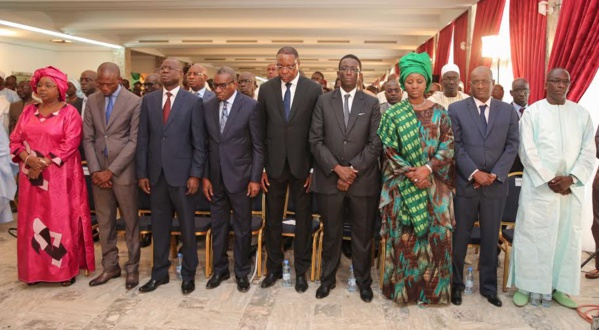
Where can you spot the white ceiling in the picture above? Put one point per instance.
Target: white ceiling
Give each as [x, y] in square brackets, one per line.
[247, 34]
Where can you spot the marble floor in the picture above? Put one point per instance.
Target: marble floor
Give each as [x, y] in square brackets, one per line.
[111, 306]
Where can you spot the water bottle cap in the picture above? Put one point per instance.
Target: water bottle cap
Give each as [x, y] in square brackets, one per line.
[469, 269]
[286, 262]
[180, 255]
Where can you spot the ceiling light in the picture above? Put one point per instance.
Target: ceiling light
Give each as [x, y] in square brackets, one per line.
[61, 41]
[7, 33]
[58, 34]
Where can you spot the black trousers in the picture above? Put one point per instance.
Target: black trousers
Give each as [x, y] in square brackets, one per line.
[223, 202]
[362, 215]
[275, 202]
[167, 199]
[488, 211]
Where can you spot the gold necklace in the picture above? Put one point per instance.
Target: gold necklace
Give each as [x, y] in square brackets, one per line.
[418, 105]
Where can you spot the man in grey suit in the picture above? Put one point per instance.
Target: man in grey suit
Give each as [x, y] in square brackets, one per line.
[170, 163]
[196, 79]
[235, 131]
[346, 147]
[287, 102]
[486, 142]
[110, 128]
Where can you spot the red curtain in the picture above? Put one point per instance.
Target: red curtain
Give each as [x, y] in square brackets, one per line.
[428, 46]
[576, 44]
[442, 53]
[460, 37]
[487, 22]
[528, 43]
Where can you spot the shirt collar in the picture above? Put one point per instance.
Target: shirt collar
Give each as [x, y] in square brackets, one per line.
[479, 102]
[518, 106]
[116, 93]
[174, 91]
[232, 98]
[199, 93]
[352, 93]
[293, 82]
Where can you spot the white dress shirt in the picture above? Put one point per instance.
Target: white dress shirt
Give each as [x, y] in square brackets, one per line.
[352, 95]
[174, 92]
[291, 88]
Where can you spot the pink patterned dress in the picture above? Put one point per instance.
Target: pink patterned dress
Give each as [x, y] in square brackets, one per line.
[54, 225]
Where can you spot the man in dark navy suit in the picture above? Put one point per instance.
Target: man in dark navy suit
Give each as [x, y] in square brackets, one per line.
[170, 162]
[232, 177]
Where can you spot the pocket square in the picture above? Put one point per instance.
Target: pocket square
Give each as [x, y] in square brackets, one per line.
[361, 113]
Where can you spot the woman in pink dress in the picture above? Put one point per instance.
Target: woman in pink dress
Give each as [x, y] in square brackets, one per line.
[54, 226]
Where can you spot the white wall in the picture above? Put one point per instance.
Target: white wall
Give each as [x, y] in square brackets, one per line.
[71, 60]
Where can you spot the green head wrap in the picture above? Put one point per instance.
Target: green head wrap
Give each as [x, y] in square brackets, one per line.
[415, 63]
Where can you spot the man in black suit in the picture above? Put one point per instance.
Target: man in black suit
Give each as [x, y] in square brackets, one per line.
[170, 163]
[346, 148]
[520, 92]
[232, 176]
[486, 141]
[287, 102]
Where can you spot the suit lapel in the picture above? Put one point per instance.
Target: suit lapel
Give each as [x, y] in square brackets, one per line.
[338, 109]
[357, 105]
[279, 97]
[214, 116]
[300, 90]
[476, 117]
[117, 105]
[235, 108]
[493, 114]
[102, 108]
[179, 99]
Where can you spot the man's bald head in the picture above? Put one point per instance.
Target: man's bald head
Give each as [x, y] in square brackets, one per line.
[109, 68]
[481, 83]
[392, 92]
[152, 83]
[108, 79]
[520, 91]
[196, 77]
[88, 82]
[393, 76]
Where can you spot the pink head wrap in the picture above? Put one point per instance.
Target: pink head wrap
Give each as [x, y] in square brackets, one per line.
[59, 78]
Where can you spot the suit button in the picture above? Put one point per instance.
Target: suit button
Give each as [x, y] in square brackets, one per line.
[344, 142]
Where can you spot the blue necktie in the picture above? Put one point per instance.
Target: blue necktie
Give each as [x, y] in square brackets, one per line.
[109, 108]
[482, 116]
[287, 101]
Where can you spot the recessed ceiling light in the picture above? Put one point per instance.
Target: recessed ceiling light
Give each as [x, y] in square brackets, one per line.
[61, 41]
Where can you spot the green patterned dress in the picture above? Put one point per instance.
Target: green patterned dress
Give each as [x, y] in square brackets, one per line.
[417, 224]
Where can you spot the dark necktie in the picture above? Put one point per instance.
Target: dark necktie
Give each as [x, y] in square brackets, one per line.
[346, 109]
[522, 111]
[224, 116]
[482, 116]
[109, 108]
[166, 110]
[287, 101]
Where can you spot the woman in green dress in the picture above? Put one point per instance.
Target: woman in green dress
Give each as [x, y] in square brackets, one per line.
[417, 200]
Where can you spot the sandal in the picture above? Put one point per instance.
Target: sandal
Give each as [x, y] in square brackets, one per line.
[592, 275]
[68, 283]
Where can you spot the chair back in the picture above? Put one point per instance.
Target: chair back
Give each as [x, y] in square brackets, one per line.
[511, 204]
[143, 202]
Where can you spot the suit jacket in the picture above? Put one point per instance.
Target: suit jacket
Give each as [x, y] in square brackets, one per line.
[175, 148]
[207, 95]
[237, 153]
[78, 104]
[288, 140]
[492, 151]
[118, 136]
[357, 145]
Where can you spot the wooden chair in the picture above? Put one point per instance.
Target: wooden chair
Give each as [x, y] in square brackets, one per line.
[508, 222]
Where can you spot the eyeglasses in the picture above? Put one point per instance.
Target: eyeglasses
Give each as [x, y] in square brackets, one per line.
[195, 74]
[484, 82]
[348, 69]
[288, 67]
[47, 85]
[521, 90]
[149, 84]
[245, 81]
[223, 85]
[167, 69]
[557, 81]
[451, 79]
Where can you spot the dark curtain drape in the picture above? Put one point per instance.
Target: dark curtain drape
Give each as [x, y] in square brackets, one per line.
[428, 46]
[487, 22]
[442, 51]
[576, 44]
[528, 43]
[460, 37]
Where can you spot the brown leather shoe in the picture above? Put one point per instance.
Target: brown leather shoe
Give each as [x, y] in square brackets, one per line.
[132, 280]
[104, 277]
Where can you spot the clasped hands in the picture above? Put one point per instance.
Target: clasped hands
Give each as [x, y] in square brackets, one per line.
[347, 176]
[36, 166]
[483, 179]
[561, 185]
[102, 179]
[419, 176]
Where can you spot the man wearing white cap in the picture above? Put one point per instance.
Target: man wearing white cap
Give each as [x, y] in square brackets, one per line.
[450, 80]
[9, 94]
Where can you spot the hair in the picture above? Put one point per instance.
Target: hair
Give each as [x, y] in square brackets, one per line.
[288, 50]
[319, 73]
[352, 56]
[227, 70]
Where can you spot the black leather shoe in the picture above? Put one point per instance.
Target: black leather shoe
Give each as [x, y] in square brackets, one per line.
[216, 279]
[187, 287]
[243, 285]
[145, 241]
[366, 294]
[493, 299]
[153, 284]
[301, 285]
[270, 280]
[456, 297]
[323, 291]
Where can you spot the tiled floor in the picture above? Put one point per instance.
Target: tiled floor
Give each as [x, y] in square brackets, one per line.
[49, 306]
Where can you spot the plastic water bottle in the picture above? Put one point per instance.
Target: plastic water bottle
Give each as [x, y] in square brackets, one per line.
[351, 281]
[547, 300]
[469, 282]
[535, 299]
[286, 274]
[179, 265]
